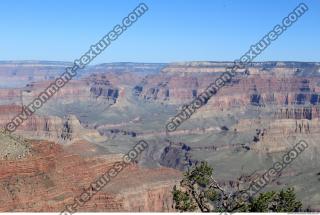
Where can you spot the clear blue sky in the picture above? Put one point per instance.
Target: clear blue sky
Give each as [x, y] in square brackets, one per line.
[170, 31]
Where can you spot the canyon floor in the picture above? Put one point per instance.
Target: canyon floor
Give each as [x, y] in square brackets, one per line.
[99, 116]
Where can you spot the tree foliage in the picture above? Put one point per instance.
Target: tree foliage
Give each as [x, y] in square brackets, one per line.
[283, 201]
[198, 191]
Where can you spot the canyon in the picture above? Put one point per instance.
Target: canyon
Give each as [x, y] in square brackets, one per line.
[99, 116]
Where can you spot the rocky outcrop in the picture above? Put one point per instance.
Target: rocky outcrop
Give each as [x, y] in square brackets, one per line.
[74, 91]
[177, 155]
[13, 147]
[276, 83]
[301, 112]
[103, 88]
[60, 129]
[54, 175]
[261, 112]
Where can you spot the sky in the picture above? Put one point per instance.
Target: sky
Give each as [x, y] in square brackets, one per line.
[170, 31]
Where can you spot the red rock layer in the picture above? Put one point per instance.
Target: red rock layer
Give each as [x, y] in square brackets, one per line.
[52, 176]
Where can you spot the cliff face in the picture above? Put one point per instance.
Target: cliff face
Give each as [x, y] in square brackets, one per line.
[281, 134]
[289, 90]
[19, 73]
[275, 67]
[10, 96]
[137, 190]
[269, 83]
[74, 91]
[60, 129]
[261, 113]
[254, 89]
[53, 175]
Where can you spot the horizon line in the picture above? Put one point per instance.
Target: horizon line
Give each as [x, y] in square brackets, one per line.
[139, 62]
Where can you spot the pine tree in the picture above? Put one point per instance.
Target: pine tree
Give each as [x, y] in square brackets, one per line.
[198, 191]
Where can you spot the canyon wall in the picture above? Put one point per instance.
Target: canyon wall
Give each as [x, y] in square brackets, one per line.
[52, 175]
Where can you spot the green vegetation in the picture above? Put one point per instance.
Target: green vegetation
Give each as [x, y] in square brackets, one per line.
[198, 191]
